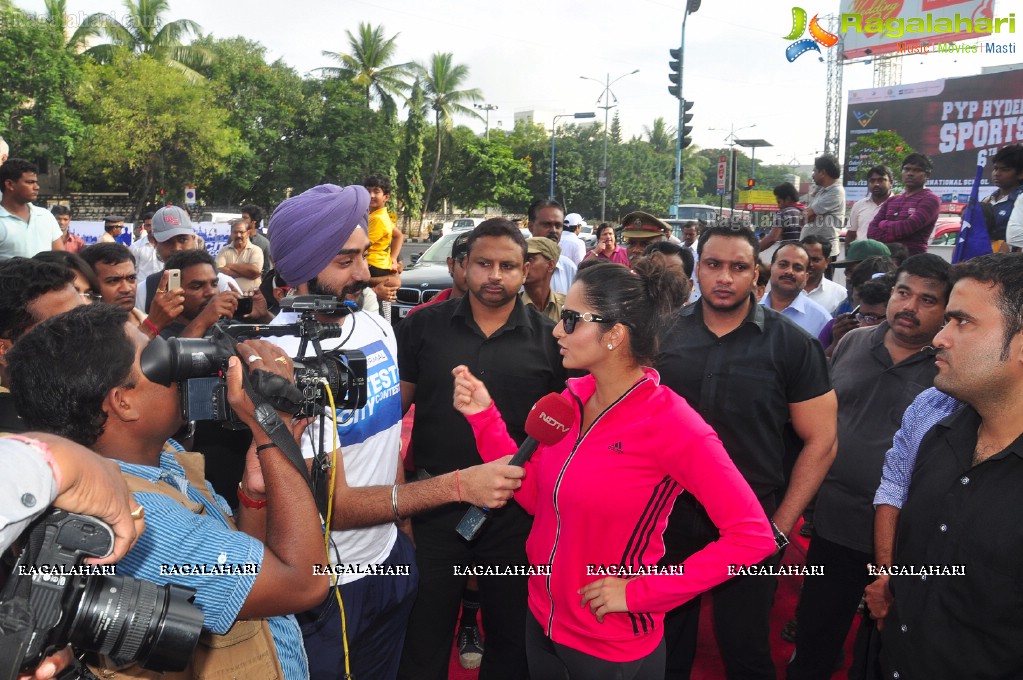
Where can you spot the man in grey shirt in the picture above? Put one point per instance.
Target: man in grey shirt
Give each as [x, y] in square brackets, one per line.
[825, 213]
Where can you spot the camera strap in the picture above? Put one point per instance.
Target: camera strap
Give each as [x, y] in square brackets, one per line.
[279, 433]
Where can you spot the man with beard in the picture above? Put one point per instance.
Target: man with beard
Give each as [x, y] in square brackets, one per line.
[752, 375]
[511, 348]
[879, 188]
[877, 373]
[319, 244]
[963, 506]
[789, 270]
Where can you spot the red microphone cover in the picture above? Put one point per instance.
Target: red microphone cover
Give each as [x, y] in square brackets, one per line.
[550, 419]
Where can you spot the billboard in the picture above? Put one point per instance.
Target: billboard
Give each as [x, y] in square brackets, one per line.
[957, 122]
[874, 27]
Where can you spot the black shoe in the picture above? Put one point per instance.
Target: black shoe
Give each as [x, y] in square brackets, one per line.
[470, 647]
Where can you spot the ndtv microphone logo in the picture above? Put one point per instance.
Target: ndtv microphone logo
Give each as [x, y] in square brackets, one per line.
[552, 421]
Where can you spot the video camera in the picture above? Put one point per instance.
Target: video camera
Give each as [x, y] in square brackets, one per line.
[200, 365]
[48, 603]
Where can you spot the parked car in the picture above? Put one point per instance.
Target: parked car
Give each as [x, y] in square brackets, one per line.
[465, 223]
[427, 276]
[588, 236]
[946, 230]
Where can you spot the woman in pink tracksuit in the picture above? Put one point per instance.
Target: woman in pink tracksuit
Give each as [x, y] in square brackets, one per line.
[602, 495]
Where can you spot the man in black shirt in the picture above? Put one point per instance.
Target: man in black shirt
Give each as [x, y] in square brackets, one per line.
[957, 610]
[762, 383]
[511, 348]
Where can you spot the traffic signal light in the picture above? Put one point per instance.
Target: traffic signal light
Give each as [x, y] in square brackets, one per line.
[751, 182]
[686, 129]
[676, 73]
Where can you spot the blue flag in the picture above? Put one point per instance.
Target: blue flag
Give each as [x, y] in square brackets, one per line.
[973, 238]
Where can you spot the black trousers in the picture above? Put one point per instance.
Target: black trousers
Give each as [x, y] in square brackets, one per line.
[439, 549]
[550, 661]
[742, 612]
[827, 606]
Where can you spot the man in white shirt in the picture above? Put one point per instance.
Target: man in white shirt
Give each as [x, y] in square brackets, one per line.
[547, 219]
[820, 289]
[879, 188]
[571, 245]
[144, 249]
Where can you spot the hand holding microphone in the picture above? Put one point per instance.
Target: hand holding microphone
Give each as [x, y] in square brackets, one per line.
[548, 422]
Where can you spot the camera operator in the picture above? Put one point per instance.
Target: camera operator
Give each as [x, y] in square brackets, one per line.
[30, 292]
[192, 539]
[42, 469]
[319, 245]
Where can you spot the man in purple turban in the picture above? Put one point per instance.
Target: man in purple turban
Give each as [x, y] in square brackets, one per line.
[319, 244]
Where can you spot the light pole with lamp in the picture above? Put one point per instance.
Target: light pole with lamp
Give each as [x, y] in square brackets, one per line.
[488, 108]
[554, 132]
[606, 106]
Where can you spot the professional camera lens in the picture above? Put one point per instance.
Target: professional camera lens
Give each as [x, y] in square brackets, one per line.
[132, 620]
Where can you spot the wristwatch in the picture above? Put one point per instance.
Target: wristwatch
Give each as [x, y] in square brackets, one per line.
[780, 539]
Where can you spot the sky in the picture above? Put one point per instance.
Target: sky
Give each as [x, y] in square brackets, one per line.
[531, 54]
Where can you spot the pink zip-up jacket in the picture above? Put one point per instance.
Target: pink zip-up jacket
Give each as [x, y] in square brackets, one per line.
[601, 501]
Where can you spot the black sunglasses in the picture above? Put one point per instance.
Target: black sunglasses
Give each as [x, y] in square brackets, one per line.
[570, 318]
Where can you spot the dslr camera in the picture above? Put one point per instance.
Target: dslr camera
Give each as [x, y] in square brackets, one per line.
[199, 365]
[51, 600]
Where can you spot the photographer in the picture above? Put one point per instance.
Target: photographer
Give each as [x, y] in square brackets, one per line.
[111, 407]
[319, 244]
[43, 470]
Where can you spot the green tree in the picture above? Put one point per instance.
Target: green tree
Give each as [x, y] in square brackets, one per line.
[146, 31]
[410, 161]
[661, 136]
[486, 173]
[336, 138]
[173, 133]
[76, 37]
[442, 83]
[885, 147]
[39, 117]
[616, 129]
[263, 103]
[369, 66]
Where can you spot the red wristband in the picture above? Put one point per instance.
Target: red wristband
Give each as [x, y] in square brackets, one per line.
[248, 502]
[151, 326]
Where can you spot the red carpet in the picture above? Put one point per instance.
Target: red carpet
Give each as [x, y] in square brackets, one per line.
[708, 664]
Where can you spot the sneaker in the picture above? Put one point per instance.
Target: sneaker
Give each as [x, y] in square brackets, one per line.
[470, 647]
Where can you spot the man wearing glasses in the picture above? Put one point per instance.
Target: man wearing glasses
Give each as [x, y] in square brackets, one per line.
[547, 219]
[756, 378]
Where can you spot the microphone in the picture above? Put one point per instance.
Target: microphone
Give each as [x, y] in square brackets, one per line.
[547, 423]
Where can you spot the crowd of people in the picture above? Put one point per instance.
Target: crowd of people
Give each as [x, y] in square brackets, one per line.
[707, 405]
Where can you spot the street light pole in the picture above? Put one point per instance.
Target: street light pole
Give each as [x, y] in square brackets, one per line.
[607, 107]
[488, 108]
[554, 131]
[730, 140]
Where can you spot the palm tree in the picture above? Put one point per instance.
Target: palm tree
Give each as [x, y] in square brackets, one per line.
[146, 32]
[57, 14]
[661, 136]
[369, 66]
[441, 83]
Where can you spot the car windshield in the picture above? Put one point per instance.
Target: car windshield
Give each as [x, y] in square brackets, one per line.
[439, 252]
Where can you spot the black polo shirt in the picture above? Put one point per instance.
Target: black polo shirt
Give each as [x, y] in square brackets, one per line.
[958, 514]
[742, 384]
[519, 363]
[873, 394]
